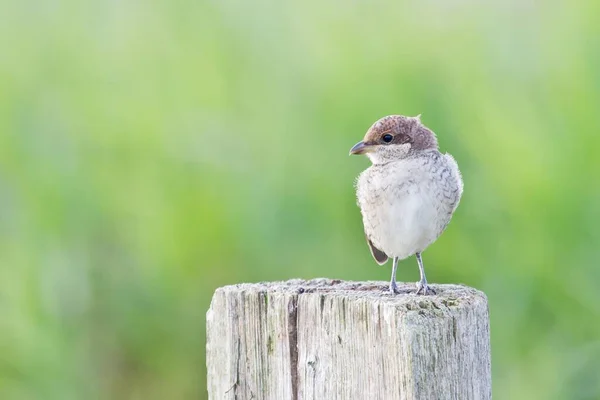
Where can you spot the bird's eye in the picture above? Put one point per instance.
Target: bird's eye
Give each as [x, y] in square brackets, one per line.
[387, 138]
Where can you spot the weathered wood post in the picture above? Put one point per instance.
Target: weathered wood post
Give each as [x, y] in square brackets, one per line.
[327, 340]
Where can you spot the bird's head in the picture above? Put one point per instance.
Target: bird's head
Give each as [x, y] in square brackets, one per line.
[395, 137]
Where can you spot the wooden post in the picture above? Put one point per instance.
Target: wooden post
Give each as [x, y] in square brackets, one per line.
[326, 340]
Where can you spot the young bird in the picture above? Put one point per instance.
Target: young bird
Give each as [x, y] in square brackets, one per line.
[408, 195]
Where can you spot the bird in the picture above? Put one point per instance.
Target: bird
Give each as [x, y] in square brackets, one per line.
[409, 193]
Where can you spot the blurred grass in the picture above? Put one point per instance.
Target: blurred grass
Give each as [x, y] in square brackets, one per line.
[153, 151]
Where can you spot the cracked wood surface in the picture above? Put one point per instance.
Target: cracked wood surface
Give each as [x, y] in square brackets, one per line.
[328, 339]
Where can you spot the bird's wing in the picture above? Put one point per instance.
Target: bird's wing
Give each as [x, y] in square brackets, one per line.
[378, 255]
[457, 189]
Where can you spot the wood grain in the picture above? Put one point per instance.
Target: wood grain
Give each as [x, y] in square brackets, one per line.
[325, 339]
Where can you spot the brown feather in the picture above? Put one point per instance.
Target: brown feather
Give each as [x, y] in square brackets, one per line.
[378, 255]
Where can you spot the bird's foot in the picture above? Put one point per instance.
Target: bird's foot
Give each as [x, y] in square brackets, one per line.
[394, 288]
[424, 288]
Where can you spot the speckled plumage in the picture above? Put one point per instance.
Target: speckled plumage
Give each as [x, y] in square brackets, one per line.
[407, 197]
[407, 204]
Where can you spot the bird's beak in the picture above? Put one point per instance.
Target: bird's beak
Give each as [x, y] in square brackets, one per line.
[361, 148]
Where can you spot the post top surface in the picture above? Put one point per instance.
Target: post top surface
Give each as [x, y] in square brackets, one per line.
[447, 295]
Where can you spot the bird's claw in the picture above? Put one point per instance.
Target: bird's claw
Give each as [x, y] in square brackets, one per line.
[424, 288]
[394, 288]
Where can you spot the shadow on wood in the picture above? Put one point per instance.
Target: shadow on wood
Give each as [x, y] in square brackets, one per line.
[325, 340]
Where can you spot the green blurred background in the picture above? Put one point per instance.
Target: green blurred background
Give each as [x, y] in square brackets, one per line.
[151, 151]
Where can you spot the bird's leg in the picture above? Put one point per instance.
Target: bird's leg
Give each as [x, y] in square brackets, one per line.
[422, 287]
[393, 287]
